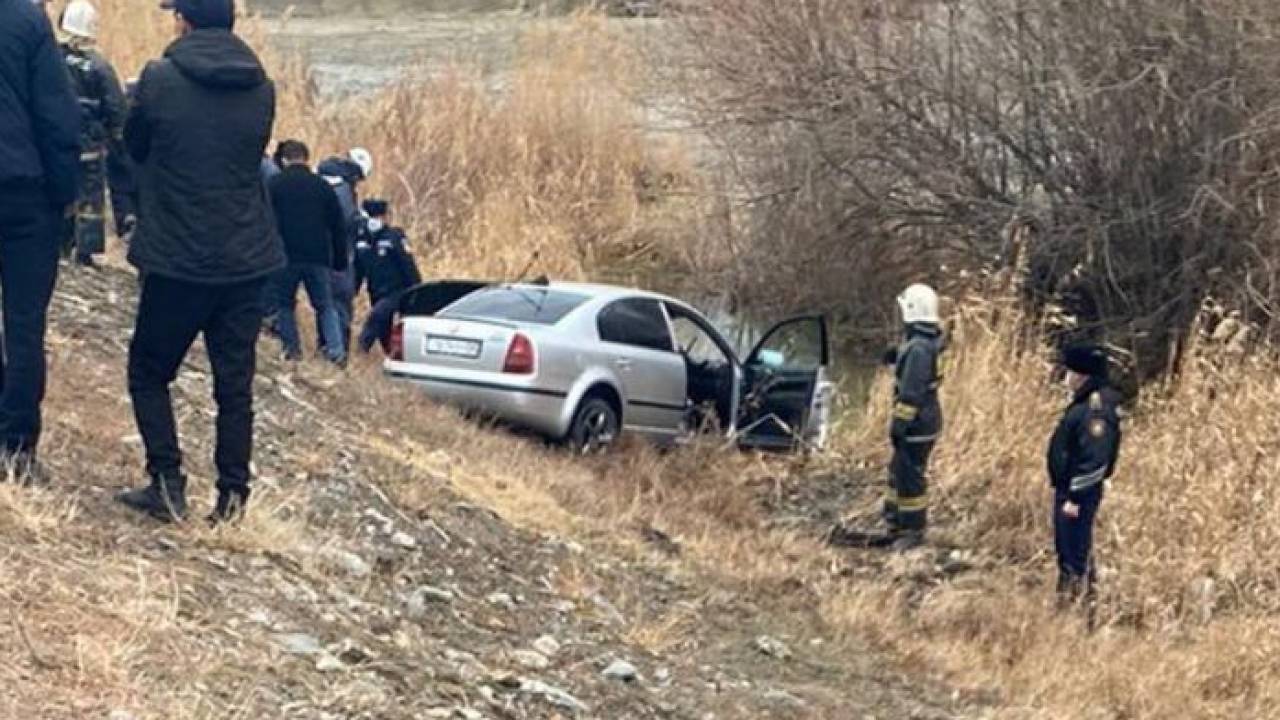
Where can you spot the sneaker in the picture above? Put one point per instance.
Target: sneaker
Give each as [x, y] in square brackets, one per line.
[165, 499]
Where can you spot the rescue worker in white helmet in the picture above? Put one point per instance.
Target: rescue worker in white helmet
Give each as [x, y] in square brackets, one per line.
[917, 416]
[345, 175]
[102, 115]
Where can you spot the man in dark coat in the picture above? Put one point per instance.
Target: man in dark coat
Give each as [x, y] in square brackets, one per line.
[39, 167]
[1082, 457]
[384, 262]
[205, 244]
[315, 241]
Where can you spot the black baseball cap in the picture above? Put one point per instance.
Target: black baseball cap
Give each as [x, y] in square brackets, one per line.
[216, 14]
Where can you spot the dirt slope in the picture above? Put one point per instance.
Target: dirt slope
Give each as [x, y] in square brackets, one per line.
[372, 580]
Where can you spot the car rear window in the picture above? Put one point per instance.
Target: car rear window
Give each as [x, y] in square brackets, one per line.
[539, 306]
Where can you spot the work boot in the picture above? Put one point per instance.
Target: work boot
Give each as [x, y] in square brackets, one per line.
[908, 540]
[229, 508]
[165, 499]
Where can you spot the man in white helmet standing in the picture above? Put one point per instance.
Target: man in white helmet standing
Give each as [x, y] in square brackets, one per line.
[102, 115]
[917, 417]
[345, 174]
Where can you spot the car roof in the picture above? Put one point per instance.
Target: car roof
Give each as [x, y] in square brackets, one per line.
[597, 291]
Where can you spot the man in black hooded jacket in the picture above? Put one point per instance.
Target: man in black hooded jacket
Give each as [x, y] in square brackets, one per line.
[39, 168]
[205, 244]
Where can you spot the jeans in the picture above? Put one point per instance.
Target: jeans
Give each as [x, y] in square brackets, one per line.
[170, 316]
[316, 279]
[29, 229]
[344, 300]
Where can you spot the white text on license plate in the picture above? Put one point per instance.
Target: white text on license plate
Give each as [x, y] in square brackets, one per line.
[453, 347]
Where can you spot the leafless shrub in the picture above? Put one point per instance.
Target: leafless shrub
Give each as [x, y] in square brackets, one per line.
[1137, 139]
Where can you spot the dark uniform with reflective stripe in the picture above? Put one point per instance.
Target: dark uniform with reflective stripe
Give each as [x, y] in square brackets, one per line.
[917, 421]
[1082, 456]
[102, 113]
[383, 262]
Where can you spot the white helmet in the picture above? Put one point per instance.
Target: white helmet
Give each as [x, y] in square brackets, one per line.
[80, 20]
[919, 304]
[364, 159]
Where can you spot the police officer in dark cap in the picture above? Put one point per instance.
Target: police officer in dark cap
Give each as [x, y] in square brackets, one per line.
[1082, 457]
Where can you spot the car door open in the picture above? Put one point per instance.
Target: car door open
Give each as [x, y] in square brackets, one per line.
[787, 394]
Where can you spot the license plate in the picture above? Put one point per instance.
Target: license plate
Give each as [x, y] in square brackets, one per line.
[452, 347]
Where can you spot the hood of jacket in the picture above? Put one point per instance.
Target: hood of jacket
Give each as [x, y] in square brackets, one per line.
[217, 59]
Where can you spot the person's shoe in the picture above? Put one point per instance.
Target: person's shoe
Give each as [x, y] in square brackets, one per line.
[229, 507]
[165, 499]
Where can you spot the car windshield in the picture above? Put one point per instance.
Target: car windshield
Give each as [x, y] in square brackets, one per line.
[539, 306]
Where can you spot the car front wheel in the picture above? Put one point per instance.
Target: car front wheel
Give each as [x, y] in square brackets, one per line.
[595, 427]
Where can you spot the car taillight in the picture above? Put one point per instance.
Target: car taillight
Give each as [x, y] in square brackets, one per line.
[520, 356]
[395, 341]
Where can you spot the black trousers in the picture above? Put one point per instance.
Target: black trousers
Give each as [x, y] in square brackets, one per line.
[1073, 540]
[170, 316]
[377, 327]
[906, 507]
[29, 229]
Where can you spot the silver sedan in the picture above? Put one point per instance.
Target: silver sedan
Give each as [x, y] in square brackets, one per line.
[584, 363]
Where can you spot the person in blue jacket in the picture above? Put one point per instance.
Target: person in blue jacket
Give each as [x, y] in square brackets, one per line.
[39, 181]
[1082, 457]
[384, 263]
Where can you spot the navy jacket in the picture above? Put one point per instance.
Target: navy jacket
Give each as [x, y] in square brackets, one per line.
[917, 414]
[309, 218]
[39, 116]
[197, 129]
[1086, 444]
[383, 261]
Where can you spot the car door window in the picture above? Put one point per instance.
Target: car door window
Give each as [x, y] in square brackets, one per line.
[638, 322]
[694, 343]
[794, 346]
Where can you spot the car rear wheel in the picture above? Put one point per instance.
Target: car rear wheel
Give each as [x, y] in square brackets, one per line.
[595, 427]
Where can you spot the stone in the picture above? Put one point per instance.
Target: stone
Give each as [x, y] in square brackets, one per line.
[121, 715]
[328, 663]
[348, 562]
[547, 645]
[424, 597]
[622, 671]
[553, 695]
[502, 600]
[404, 540]
[773, 648]
[299, 644]
[530, 659]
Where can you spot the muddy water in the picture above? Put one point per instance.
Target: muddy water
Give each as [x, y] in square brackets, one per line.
[355, 53]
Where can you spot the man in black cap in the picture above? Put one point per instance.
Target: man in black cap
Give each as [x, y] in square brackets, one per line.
[39, 168]
[205, 245]
[384, 262]
[1082, 456]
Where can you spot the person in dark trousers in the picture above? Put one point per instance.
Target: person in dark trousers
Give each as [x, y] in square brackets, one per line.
[102, 111]
[346, 174]
[205, 245]
[917, 417]
[384, 263]
[914, 430]
[1082, 456]
[39, 177]
[315, 241]
[123, 182]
